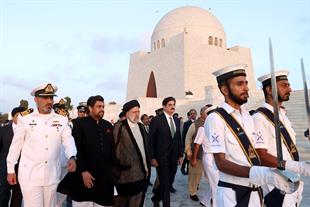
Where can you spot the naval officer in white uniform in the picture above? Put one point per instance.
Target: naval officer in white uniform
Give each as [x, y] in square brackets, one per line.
[37, 141]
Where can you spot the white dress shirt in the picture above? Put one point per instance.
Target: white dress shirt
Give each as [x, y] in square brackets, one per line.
[168, 120]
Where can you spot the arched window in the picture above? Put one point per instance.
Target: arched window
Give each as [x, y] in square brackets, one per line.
[221, 43]
[163, 42]
[151, 90]
[158, 44]
[154, 45]
[210, 40]
[215, 41]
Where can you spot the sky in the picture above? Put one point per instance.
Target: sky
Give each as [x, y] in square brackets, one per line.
[84, 46]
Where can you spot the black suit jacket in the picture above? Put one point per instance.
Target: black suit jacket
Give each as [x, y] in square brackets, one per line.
[6, 136]
[165, 148]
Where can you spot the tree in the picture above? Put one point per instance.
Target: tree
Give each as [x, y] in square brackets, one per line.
[68, 104]
[3, 117]
[23, 103]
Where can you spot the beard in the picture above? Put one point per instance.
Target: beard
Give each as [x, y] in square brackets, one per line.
[46, 109]
[286, 97]
[133, 119]
[100, 114]
[237, 99]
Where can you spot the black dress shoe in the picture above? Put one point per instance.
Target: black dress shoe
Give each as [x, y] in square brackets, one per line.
[155, 202]
[194, 197]
[172, 190]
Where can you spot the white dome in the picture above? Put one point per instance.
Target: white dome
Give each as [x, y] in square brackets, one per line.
[192, 19]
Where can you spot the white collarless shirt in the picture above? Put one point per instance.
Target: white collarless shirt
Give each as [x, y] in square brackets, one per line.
[135, 129]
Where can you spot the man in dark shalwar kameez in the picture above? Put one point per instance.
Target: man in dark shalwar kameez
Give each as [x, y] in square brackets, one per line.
[132, 153]
[92, 183]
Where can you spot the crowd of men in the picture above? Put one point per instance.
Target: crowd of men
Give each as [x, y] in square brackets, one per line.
[46, 158]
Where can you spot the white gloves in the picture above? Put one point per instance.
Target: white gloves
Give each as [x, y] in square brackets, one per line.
[269, 176]
[301, 167]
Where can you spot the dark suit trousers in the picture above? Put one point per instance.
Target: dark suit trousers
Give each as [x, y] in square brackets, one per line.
[5, 194]
[4, 191]
[166, 175]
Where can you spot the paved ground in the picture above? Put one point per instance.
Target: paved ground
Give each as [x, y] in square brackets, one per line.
[181, 197]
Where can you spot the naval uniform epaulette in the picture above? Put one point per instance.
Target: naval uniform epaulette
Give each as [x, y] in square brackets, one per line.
[61, 113]
[26, 112]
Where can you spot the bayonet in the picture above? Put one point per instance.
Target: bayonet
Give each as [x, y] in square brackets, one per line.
[290, 176]
[305, 90]
[276, 109]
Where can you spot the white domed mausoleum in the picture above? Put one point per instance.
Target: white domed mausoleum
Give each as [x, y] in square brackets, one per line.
[187, 45]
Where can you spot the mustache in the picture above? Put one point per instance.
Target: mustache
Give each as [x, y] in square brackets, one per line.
[246, 93]
[173, 108]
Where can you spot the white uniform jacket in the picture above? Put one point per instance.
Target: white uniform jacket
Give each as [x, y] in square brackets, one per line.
[221, 140]
[37, 141]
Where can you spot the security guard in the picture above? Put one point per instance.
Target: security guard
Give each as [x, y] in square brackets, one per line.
[230, 130]
[265, 143]
[82, 111]
[37, 140]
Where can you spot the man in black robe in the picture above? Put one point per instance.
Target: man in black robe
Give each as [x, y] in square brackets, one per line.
[92, 183]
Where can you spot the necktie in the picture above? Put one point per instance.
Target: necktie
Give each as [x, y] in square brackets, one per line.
[172, 129]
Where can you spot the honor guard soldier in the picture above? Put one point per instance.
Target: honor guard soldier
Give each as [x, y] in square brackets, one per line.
[265, 143]
[230, 130]
[37, 141]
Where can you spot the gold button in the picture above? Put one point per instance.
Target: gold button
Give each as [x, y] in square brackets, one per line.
[46, 136]
[45, 162]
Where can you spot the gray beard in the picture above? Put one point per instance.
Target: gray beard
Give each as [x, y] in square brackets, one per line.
[132, 121]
